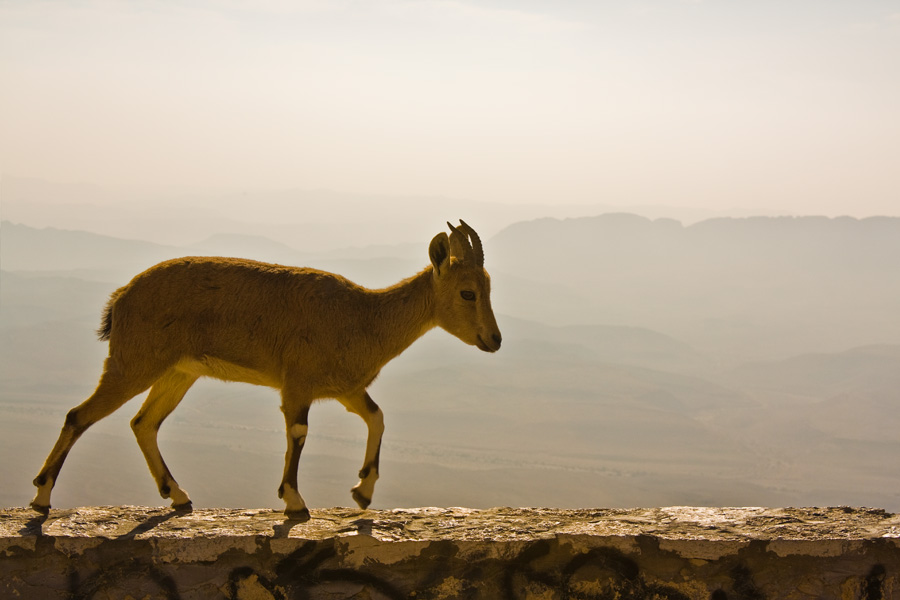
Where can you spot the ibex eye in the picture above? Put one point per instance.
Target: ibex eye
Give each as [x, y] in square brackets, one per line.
[467, 295]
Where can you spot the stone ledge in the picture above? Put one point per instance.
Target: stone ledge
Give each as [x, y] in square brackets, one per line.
[674, 553]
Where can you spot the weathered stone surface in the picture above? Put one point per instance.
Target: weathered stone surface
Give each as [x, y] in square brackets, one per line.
[432, 553]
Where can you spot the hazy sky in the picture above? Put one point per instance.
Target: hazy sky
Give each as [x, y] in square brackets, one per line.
[786, 104]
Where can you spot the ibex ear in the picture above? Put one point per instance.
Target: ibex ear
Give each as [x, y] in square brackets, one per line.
[439, 252]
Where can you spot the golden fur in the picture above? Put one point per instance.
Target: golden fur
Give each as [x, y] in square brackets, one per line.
[309, 333]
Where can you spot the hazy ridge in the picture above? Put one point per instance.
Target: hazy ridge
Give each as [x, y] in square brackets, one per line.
[732, 361]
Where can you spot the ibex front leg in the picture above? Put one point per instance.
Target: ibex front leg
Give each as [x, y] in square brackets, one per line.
[363, 405]
[296, 418]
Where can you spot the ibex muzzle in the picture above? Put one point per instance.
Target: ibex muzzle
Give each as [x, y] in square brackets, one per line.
[308, 333]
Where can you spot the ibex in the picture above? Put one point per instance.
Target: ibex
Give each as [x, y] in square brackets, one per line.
[310, 334]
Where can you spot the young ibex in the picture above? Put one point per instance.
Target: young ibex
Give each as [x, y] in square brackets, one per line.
[308, 333]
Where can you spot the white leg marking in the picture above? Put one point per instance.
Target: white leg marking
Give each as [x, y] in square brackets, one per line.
[299, 431]
[179, 496]
[42, 498]
[292, 499]
[366, 486]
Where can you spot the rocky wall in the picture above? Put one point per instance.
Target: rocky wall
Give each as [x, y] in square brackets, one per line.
[430, 553]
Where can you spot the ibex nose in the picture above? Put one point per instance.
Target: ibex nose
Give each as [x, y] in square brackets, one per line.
[497, 339]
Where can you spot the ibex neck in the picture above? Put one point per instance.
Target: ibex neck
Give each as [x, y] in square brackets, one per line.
[404, 312]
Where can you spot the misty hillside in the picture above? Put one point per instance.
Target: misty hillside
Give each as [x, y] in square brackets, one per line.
[24, 248]
[312, 221]
[828, 375]
[749, 361]
[96, 257]
[741, 288]
[256, 246]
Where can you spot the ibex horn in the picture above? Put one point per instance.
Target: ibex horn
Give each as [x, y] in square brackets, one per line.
[476, 242]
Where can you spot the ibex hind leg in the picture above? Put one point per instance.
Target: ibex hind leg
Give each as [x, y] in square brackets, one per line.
[165, 395]
[114, 390]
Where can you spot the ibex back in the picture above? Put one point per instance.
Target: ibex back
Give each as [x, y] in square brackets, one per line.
[308, 333]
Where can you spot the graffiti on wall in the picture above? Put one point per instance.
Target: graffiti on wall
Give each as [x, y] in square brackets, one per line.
[315, 570]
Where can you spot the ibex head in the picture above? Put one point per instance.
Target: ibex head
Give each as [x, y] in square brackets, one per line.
[463, 288]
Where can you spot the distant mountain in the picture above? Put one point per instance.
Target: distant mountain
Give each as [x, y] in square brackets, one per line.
[852, 395]
[256, 247]
[31, 299]
[79, 254]
[409, 251]
[743, 288]
[309, 220]
[611, 344]
[24, 248]
[824, 375]
[610, 244]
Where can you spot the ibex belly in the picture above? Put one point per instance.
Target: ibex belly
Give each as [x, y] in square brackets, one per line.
[208, 366]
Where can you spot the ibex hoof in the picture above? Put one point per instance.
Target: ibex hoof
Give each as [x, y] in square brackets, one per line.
[44, 510]
[361, 500]
[184, 507]
[301, 515]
